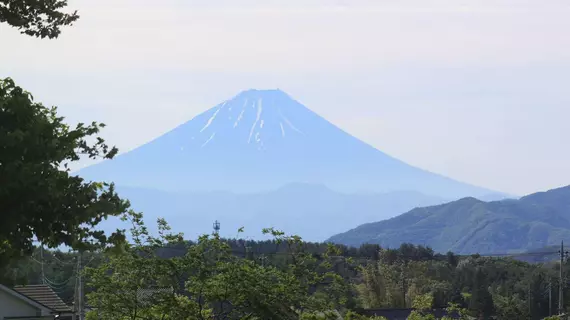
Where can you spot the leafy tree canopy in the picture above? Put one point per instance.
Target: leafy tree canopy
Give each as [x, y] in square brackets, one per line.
[39, 198]
[209, 282]
[38, 18]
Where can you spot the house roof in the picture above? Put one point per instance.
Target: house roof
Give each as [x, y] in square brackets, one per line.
[26, 299]
[44, 295]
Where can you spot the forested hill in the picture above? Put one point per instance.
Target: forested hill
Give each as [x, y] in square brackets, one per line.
[472, 226]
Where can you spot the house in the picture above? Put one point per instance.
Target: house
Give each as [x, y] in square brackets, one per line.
[32, 303]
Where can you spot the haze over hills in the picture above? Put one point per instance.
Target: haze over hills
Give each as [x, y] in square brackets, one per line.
[228, 162]
[469, 225]
[312, 211]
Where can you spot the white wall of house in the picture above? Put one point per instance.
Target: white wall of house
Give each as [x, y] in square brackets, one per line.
[11, 306]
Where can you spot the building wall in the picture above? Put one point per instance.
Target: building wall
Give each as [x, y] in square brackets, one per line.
[11, 306]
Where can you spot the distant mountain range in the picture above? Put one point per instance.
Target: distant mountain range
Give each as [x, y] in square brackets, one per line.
[227, 162]
[312, 211]
[473, 226]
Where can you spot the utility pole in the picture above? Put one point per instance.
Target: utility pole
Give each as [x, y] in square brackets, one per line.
[76, 292]
[78, 311]
[42, 263]
[80, 275]
[563, 254]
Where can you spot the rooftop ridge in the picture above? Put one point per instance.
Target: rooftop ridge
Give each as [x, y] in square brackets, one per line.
[44, 295]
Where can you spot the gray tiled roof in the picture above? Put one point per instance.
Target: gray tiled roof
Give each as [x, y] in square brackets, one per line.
[44, 295]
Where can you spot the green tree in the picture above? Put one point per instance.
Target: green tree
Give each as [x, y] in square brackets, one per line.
[208, 281]
[350, 315]
[481, 301]
[422, 305]
[40, 199]
[38, 18]
[454, 311]
[510, 307]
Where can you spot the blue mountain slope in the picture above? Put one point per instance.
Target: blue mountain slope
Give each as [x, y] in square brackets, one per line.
[260, 141]
[470, 225]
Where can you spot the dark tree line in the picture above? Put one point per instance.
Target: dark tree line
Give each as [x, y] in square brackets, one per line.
[380, 278]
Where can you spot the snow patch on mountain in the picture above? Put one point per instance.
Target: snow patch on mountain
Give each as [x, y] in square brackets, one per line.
[263, 113]
[209, 139]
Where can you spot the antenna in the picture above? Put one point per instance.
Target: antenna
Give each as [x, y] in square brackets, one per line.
[216, 227]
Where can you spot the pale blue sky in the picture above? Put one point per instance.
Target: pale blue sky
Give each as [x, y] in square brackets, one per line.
[475, 90]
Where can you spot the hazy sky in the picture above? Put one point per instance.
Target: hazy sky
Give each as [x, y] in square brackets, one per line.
[475, 90]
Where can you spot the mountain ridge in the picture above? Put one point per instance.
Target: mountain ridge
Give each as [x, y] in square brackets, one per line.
[469, 225]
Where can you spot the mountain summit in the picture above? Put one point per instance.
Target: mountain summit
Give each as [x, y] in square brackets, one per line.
[262, 140]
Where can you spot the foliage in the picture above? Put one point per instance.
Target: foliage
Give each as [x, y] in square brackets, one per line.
[351, 315]
[422, 305]
[497, 286]
[450, 282]
[327, 315]
[36, 18]
[91, 315]
[457, 310]
[40, 199]
[510, 307]
[208, 281]
[400, 275]
[481, 301]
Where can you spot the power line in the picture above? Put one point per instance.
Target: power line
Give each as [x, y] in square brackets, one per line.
[88, 262]
[42, 254]
[52, 283]
[55, 286]
[54, 257]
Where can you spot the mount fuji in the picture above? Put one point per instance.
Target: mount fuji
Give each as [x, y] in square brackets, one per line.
[258, 142]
